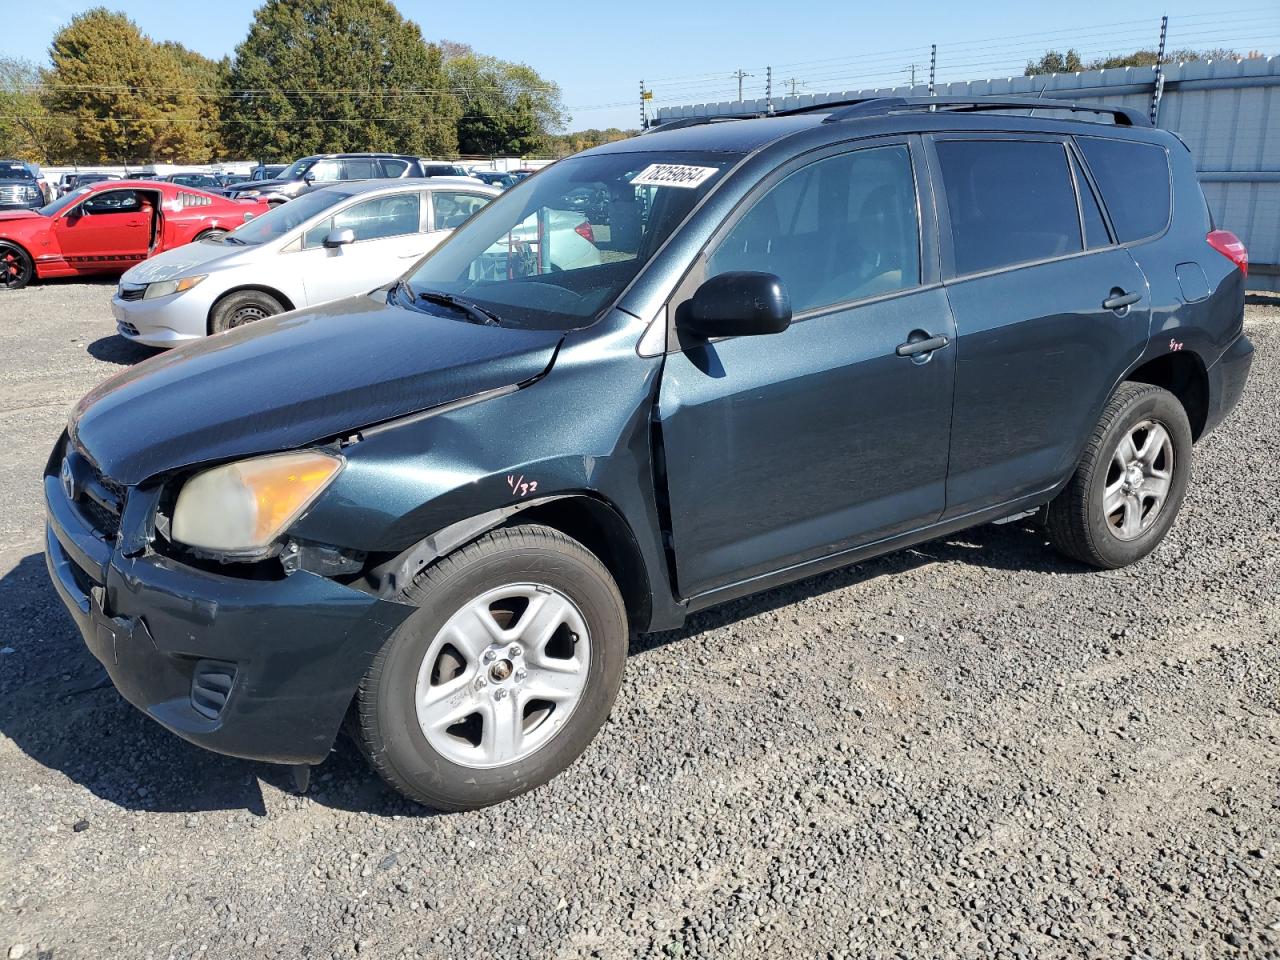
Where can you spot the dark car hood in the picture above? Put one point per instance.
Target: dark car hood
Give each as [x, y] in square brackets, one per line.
[260, 185]
[294, 379]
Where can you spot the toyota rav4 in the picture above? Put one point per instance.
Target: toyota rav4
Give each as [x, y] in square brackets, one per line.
[439, 511]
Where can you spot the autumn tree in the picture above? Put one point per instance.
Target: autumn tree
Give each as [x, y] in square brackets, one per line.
[26, 129]
[507, 108]
[337, 75]
[122, 97]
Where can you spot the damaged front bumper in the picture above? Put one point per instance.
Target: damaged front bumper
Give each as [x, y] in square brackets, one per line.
[261, 669]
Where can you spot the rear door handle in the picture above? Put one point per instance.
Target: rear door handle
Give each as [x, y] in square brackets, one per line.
[921, 342]
[1119, 299]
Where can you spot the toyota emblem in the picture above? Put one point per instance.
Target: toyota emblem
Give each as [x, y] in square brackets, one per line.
[68, 479]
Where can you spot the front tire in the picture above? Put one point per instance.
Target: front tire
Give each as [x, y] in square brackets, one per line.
[502, 677]
[217, 233]
[16, 268]
[1130, 482]
[242, 307]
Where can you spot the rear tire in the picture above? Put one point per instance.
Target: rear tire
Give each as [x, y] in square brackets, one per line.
[215, 234]
[1132, 477]
[456, 714]
[242, 307]
[16, 268]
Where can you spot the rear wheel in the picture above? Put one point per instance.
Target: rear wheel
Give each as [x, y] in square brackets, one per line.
[16, 268]
[243, 306]
[503, 675]
[1129, 485]
[216, 233]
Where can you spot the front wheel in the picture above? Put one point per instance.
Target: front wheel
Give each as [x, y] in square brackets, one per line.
[243, 306]
[216, 233]
[502, 676]
[1126, 492]
[16, 269]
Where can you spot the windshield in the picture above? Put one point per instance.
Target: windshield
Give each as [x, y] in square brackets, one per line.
[277, 222]
[15, 171]
[49, 209]
[551, 252]
[296, 169]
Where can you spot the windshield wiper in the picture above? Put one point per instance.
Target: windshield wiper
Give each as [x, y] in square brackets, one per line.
[477, 313]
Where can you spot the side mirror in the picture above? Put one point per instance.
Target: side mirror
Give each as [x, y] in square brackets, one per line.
[340, 238]
[308, 177]
[743, 303]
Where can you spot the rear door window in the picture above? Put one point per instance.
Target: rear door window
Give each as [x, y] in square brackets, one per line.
[1010, 201]
[840, 229]
[452, 209]
[360, 169]
[1135, 184]
[394, 168]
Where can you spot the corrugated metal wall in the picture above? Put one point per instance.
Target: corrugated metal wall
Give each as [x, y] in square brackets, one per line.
[1227, 112]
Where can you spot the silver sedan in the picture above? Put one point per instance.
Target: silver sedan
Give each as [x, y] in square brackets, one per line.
[335, 242]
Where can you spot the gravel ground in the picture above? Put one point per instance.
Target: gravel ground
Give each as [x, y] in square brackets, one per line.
[969, 749]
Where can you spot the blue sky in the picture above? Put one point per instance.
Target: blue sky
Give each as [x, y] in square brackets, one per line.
[688, 51]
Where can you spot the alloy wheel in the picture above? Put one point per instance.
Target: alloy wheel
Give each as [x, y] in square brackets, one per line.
[503, 675]
[1138, 480]
[15, 269]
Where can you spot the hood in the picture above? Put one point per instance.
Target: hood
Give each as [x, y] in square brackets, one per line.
[264, 185]
[18, 215]
[185, 260]
[294, 379]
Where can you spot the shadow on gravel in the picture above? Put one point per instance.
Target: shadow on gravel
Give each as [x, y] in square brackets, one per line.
[58, 706]
[1018, 545]
[116, 349]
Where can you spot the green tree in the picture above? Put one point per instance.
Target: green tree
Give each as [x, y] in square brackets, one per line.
[507, 108]
[334, 75]
[1055, 62]
[26, 129]
[211, 79]
[564, 144]
[122, 97]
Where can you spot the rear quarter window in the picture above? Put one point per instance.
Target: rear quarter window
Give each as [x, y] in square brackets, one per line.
[1135, 183]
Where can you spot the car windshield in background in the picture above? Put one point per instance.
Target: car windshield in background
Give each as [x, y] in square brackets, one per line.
[50, 209]
[276, 223]
[551, 253]
[15, 171]
[295, 169]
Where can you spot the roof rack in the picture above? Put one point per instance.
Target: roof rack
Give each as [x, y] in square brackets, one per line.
[882, 106]
[862, 107]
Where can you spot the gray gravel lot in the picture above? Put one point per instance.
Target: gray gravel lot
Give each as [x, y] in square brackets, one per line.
[973, 748]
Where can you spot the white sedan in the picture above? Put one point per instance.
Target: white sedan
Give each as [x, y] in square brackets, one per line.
[331, 243]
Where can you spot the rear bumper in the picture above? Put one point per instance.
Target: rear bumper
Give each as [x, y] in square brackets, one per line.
[296, 646]
[1227, 378]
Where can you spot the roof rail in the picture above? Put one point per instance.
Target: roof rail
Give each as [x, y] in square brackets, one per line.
[882, 106]
[680, 122]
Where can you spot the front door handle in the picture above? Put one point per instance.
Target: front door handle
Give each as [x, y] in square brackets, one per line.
[1119, 299]
[920, 342]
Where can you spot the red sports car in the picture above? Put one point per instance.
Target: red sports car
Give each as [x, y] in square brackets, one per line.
[107, 227]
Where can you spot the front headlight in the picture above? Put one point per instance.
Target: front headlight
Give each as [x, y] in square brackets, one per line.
[242, 507]
[249, 193]
[166, 287]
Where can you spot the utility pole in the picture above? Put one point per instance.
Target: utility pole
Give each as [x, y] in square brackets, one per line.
[912, 68]
[795, 84]
[768, 90]
[1157, 88]
[644, 117]
[933, 65]
[740, 74]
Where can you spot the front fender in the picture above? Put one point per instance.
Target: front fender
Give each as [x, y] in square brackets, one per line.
[583, 429]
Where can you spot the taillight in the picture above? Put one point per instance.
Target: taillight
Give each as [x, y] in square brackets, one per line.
[586, 233]
[1230, 246]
